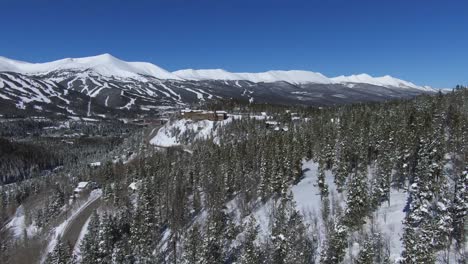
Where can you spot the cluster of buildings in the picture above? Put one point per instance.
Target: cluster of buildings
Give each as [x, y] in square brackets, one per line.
[219, 115]
[204, 115]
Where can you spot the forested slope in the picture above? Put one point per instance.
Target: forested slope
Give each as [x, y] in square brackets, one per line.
[242, 197]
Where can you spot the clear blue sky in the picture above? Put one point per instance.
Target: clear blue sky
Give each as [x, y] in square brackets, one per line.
[424, 41]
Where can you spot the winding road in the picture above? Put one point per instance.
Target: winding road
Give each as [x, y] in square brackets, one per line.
[75, 225]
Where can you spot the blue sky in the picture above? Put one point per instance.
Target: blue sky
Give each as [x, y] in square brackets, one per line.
[424, 41]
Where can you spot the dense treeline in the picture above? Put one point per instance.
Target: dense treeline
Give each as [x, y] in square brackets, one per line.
[22, 160]
[35, 147]
[182, 211]
[44, 127]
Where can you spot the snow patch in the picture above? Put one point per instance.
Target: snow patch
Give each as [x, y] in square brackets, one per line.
[172, 133]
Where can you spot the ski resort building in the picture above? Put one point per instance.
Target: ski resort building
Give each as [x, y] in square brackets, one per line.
[203, 115]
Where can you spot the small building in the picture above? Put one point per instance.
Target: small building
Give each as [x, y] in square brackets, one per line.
[95, 164]
[271, 124]
[82, 186]
[134, 186]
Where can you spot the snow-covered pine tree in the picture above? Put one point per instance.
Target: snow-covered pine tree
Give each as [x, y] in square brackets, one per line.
[418, 229]
[192, 249]
[302, 247]
[250, 251]
[280, 245]
[323, 186]
[61, 254]
[122, 253]
[335, 246]
[106, 238]
[366, 254]
[357, 201]
[90, 244]
[213, 247]
[459, 208]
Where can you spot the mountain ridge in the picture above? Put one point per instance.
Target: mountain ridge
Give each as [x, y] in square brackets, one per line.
[107, 86]
[108, 65]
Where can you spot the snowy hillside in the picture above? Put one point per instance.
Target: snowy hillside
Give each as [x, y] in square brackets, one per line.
[185, 131]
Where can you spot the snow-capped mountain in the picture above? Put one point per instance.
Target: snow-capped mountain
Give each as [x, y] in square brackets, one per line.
[103, 84]
[108, 65]
[385, 81]
[295, 77]
[105, 64]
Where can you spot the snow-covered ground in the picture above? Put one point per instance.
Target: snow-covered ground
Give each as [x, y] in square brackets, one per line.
[171, 133]
[306, 193]
[77, 248]
[18, 226]
[389, 218]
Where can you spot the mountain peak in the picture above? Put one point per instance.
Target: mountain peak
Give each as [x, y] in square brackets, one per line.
[108, 65]
[104, 64]
[291, 76]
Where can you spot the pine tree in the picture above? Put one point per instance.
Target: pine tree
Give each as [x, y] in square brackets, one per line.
[459, 208]
[357, 199]
[366, 254]
[418, 233]
[144, 230]
[301, 246]
[122, 251]
[335, 246]
[192, 253]
[61, 254]
[106, 239]
[280, 246]
[341, 172]
[250, 252]
[321, 182]
[382, 178]
[212, 246]
[89, 246]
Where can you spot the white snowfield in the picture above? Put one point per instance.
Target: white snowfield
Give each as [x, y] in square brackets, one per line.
[108, 65]
[386, 81]
[172, 132]
[18, 227]
[293, 76]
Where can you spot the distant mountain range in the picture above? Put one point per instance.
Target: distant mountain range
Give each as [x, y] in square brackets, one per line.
[104, 85]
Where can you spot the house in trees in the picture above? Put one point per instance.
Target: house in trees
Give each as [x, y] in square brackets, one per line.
[203, 115]
[275, 126]
[82, 186]
[134, 186]
[94, 164]
[272, 124]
